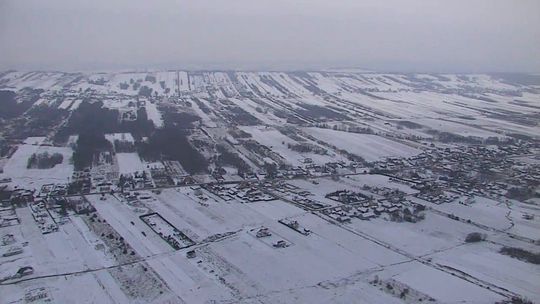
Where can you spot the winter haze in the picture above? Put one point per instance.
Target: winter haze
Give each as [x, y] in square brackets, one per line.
[432, 36]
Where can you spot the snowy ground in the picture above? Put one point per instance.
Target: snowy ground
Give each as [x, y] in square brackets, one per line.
[16, 167]
[232, 265]
[129, 163]
[337, 262]
[153, 114]
[127, 137]
[370, 147]
[278, 143]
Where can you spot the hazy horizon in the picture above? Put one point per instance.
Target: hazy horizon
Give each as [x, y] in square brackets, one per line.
[386, 36]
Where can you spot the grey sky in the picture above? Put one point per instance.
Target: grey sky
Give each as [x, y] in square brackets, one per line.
[400, 35]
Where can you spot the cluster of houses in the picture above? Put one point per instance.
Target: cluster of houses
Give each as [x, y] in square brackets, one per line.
[81, 182]
[53, 189]
[488, 171]
[161, 177]
[19, 197]
[297, 195]
[437, 197]
[245, 192]
[348, 197]
[370, 209]
[133, 181]
[79, 204]
[310, 169]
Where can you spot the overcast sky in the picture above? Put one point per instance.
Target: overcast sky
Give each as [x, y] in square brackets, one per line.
[400, 35]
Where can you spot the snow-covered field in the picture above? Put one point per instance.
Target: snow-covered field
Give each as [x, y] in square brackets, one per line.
[370, 147]
[153, 114]
[332, 264]
[16, 167]
[442, 125]
[129, 163]
[279, 143]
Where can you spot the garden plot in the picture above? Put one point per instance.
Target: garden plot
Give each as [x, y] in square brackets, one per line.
[323, 187]
[174, 237]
